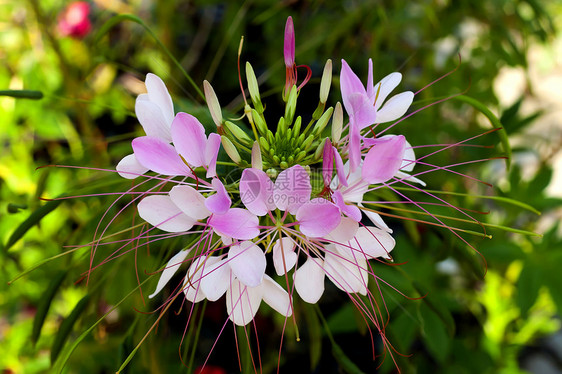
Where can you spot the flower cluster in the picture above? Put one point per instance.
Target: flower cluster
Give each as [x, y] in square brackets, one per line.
[294, 195]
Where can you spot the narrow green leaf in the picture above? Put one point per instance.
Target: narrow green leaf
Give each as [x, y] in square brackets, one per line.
[315, 336]
[345, 362]
[130, 17]
[62, 359]
[437, 307]
[495, 122]
[528, 286]
[45, 304]
[66, 327]
[22, 94]
[33, 219]
[434, 333]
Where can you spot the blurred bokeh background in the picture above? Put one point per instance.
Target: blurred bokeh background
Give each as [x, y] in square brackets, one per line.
[497, 316]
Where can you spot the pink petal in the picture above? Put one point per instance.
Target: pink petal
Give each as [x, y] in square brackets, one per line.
[161, 212]
[309, 280]
[387, 85]
[383, 160]
[190, 201]
[189, 138]
[242, 302]
[362, 110]
[370, 87]
[130, 168]
[292, 189]
[340, 168]
[158, 94]
[159, 156]
[318, 217]
[247, 262]
[289, 43]
[349, 274]
[256, 191]
[215, 278]
[284, 256]
[171, 267]
[220, 202]
[395, 107]
[276, 297]
[351, 211]
[354, 147]
[349, 84]
[236, 223]
[211, 154]
[152, 120]
[327, 162]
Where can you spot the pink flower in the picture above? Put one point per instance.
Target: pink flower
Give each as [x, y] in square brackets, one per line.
[74, 20]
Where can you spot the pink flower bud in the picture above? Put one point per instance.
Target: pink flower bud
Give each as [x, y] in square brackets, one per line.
[74, 20]
[289, 47]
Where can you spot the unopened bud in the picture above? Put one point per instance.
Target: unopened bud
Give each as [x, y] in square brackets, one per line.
[238, 133]
[337, 123]
[230, 149]
[320, 149]
[326, 82]
[259, 122]
[291, 106]
[297, 126]
[213, 103]
[281, 127]
[322, 122]
[253, 87]
[256, 156]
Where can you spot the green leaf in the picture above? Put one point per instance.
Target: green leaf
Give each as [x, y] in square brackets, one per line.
[22, 94]
[434, 333]
[345, 362]
[314, 336]
[495, 122]
[528, 286]
[66, 327]
[437, 307]
[32, 220]
[45, 304]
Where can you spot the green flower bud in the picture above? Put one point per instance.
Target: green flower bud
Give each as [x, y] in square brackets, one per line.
[297, 126]
[264, 144]
[257, 162]
[322, 122]
[326, 82]
[230, 149]
[238, 133]
[270, 137]
[320, 149]
[281, 127]
[300, 156]
[307, 142]
[213, 103]
[272, 173]
[253, 87]
[291, 106]
[337, 123]
[284, 165]
[259, 122]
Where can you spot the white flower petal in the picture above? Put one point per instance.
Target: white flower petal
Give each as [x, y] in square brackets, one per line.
[190, 201]
[276, 297]
[242, 302]
[395, 107]
[161, 212]
[152, 119]
[171, 267]
[158, 94]
[247, 262]
[215, 279]
[284, 256]
[348, 273]
[130, 168]
[309, 280]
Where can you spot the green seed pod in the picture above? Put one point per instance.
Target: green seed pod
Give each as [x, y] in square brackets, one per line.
[259, 122]
[238, 133]
[322, 122]
[291, 106]
[337, 123]
[253, 87]
[230, 149]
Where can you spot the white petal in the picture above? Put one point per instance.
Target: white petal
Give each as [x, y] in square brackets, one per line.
[344, 232]
[242, 302]
[348, 273]
[160, 211]
[276, 297]
[408, 177]
[216, 278]
[190, 201]
[171, 267]
[152, 119]
[376, 219]
[395, 107]
[309, 280]
[409, 160]
[192, 282]
[158, 94]
[130, 168]
[387, 85]
[284, 256]
[370, 242]
[247, 262]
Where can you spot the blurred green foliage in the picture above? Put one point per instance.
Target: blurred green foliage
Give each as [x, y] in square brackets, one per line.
[471, 312]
